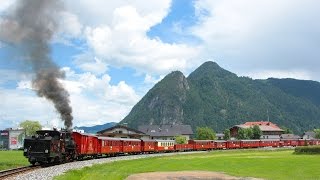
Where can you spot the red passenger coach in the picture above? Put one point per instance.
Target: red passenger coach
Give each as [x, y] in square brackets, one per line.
[308, 142]
[109, 145]
[250, 143]
[164, 145]
[87, 144]
[233, 144]
[148, 145]
[202, 144]
[183, 147]
[316, 141]
[269, 143]
[131, 145]
[289, 142]
[220, 144]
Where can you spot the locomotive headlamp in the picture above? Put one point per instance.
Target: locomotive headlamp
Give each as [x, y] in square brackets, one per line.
[46, 151]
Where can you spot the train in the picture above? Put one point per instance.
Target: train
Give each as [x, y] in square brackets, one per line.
[53, 146]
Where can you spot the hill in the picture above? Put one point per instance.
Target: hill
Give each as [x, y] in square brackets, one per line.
[212, 96]
[94, 129]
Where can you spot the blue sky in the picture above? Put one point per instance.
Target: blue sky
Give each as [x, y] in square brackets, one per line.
[114, 52]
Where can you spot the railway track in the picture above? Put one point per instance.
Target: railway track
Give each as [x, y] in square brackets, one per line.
[15, 171]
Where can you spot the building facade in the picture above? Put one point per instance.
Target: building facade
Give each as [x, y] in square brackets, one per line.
[120, 131]
[4, 139]
[166, 132]
[269, 129]
[16, 138]
[309, 135]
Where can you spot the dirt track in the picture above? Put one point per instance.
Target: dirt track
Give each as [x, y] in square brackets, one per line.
[186, 175]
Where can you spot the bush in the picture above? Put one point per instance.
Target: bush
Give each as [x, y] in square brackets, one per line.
[181, 140]
[307, 150]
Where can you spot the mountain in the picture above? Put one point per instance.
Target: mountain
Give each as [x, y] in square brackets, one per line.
[212, 96]
[162, 104]
[94, 129]
[300, 88]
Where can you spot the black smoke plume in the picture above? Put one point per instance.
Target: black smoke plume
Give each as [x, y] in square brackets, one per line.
[30, 26]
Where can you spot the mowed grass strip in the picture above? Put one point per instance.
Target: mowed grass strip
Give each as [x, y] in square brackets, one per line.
[244, 163]
[12, 159]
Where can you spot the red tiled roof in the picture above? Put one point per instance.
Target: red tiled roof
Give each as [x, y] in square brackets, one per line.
[263, 125]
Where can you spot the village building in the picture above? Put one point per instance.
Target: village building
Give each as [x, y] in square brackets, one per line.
[289, 137]
[309, 135]
[121, 131]
[4, 139]
[12, 138]
[220, 136]
[166, 132]
[269, 129]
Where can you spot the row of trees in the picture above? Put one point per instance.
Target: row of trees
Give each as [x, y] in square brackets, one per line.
[206, 133]
[249, 133]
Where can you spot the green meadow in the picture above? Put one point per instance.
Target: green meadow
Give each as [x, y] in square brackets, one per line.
[276, 164]
[12, 159]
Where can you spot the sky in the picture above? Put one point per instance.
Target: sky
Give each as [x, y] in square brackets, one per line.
[113, 52]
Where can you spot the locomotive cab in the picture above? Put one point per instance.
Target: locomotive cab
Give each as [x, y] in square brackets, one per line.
[44, 147]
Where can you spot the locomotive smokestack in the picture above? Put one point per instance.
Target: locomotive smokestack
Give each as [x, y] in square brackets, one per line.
[30, 27]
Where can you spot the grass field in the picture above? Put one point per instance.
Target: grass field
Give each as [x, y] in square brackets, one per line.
[244, 163]
[12, 159]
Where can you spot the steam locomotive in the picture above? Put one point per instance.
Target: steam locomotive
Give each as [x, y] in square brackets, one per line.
[50, 146]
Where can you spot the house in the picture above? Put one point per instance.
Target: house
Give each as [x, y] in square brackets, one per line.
[309, 135]
[166, 132]
[269, 129]
[121, 131]
[220, 136]
[289, 137]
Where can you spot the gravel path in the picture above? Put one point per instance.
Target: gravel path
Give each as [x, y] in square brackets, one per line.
[49, 172]
[186, 175]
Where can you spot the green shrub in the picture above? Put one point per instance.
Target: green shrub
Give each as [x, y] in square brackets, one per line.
[307, 150]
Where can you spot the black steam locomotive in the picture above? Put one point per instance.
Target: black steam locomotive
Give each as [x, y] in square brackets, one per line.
[50, 146]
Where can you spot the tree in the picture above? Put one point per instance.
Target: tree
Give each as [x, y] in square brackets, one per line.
[241, 134]
[249, 133]
[256, 132]
[245, 133]
[181, 140]
[226, 133]
[205, 133]
[317, 133]
[286, 130]
[30, 127]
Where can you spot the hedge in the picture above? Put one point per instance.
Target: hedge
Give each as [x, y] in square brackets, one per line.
[307, 150]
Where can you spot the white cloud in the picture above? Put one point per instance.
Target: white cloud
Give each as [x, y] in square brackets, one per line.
[267, 35]
[116, 34]
[5, 4]
[148, 79]
[93, 99]
[70, 25]
[24, 84]
[12, 75]
[96, 12]
[88, 63]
